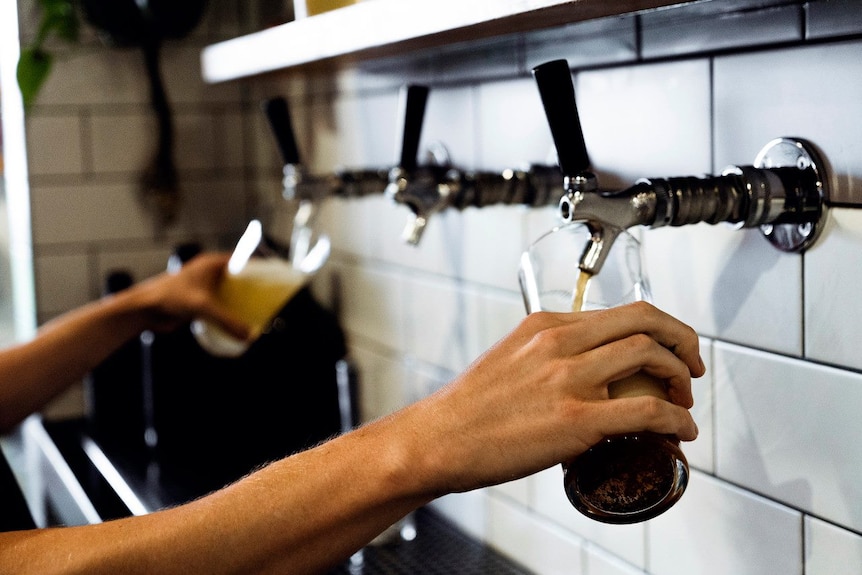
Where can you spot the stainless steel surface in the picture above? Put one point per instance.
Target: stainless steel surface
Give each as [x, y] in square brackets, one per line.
[784, 187]
[56, 483]
[783, 194]
[426, 191]
[427, 543]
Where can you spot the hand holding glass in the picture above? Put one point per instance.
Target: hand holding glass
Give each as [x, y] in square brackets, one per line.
[256, 285]
[624, 478]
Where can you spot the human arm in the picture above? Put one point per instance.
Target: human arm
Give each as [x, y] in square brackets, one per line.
[537, 398]
[68, 347]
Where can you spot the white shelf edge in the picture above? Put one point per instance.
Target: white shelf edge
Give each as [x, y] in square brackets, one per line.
[386, 26]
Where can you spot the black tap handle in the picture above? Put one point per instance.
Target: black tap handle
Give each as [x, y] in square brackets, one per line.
[413, 101]
[558, 97]
[279, 120]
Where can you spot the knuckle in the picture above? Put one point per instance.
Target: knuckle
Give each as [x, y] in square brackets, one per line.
[640, 343]
[653, 408]
[536, 320]
[552, 338]
[546, 329]
[692, 333]
[643, 307]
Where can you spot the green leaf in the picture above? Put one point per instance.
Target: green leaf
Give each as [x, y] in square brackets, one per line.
[34, 65]
[59, 17]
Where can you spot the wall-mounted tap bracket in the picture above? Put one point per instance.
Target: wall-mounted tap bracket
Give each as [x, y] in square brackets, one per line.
[801, 224]
[784, 193]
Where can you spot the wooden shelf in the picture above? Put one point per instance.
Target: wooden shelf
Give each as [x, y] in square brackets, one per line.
[381, 28]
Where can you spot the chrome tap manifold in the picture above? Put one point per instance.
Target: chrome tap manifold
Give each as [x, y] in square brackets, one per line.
[784, 193]
[744, 195]
[298, 185]
[431, 189]
[426, 189]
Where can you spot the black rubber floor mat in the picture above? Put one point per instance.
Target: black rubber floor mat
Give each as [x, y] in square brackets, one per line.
[438, 549]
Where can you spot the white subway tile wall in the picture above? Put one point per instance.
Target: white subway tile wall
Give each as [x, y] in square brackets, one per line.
[827, 547]
[718, 528]
[538, 545]
[775, 483]
[817, 102]
[782, 429]
[831, 288]
[646, 121]
[61, 151]
[604, 41]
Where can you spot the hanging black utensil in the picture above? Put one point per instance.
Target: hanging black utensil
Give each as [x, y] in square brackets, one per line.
[146, 24]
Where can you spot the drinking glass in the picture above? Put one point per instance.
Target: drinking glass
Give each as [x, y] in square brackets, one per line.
[257, 284]
[624, 478]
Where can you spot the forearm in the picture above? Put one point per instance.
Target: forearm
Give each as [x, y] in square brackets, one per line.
[64, 351]
[303, 514]
[68, 347]
[314, 510]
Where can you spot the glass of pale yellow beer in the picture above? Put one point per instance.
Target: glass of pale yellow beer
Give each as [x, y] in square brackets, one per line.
[624, 478]
[257, 284]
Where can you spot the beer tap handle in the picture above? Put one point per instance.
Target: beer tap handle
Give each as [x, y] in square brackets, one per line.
[413, 101]
[557, 91]
[277, 113]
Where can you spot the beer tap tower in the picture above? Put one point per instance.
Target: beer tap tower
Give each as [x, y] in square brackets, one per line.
[784, 193]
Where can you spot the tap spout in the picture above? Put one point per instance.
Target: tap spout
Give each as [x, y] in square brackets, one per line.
[426, 191]
[602, 237]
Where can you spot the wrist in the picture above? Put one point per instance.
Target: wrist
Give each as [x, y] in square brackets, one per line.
[414, 463]
[131, 310]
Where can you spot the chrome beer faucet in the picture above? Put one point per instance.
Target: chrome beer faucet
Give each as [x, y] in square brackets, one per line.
[437, 185]
[425, 189]
[784, 192]
[309, 190]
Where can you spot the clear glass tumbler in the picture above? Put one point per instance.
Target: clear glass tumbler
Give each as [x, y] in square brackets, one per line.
[624, 478]
[257, 284]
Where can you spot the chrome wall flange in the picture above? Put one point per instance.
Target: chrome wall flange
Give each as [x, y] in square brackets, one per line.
[800, 154]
